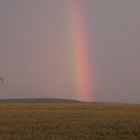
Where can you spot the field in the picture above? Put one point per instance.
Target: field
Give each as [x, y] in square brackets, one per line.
[77, 121]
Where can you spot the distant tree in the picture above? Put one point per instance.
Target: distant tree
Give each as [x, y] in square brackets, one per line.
[1, 80]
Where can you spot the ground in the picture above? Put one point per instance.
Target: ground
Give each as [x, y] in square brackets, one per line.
[69, 121]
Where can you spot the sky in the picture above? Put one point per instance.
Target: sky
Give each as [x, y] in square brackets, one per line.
[37, 51]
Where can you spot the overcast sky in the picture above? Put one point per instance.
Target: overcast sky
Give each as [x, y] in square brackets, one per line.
[35, 57]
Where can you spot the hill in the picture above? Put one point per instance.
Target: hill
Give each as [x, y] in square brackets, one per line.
[38, 100]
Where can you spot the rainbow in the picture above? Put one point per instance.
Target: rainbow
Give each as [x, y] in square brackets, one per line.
[79, 44]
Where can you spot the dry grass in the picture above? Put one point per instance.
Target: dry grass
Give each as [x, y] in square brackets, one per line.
[69, 122]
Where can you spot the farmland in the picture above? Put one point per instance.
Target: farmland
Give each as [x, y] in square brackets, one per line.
[69, 121]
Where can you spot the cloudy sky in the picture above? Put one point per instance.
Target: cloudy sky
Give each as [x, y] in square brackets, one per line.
[36, 56]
